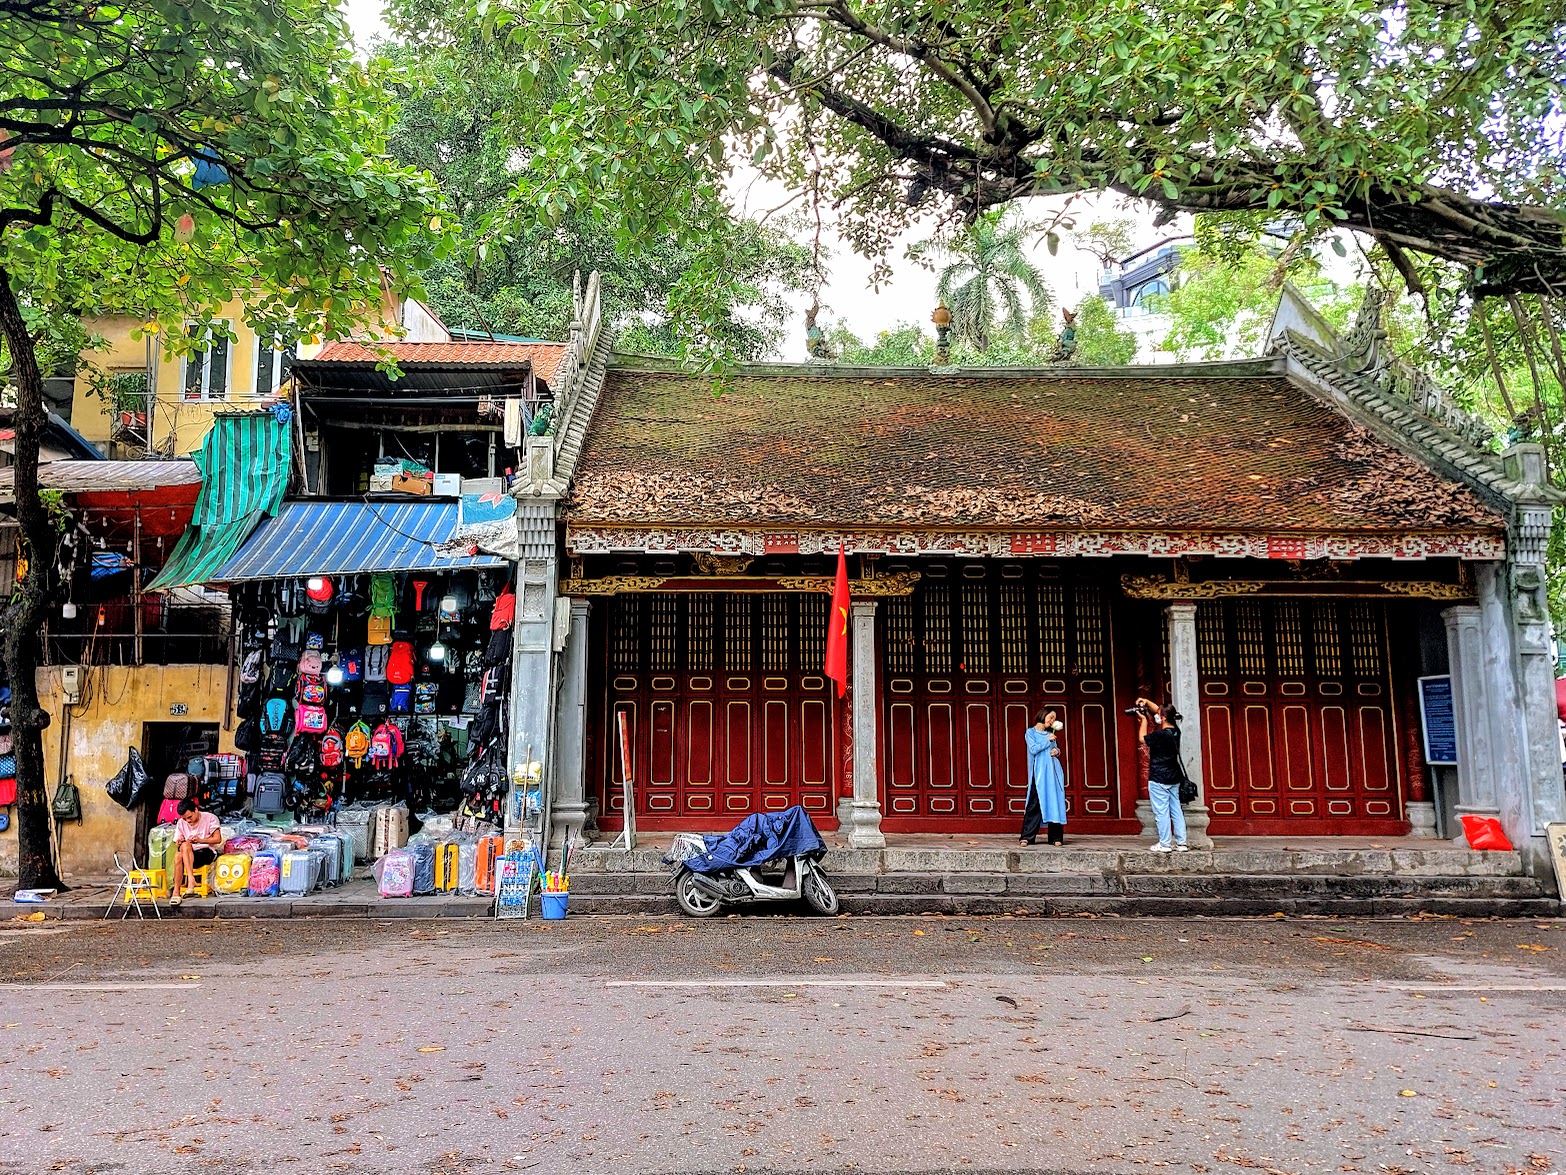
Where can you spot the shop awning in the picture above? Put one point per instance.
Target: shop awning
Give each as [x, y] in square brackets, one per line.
[351, 538]
[244, 464]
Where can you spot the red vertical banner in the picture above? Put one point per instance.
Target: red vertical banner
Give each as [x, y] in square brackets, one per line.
[837, 627]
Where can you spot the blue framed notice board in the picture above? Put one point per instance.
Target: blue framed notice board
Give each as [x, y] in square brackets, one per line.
[1438, 720]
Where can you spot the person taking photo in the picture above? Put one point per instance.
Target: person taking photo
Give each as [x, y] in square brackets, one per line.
[1159, 728]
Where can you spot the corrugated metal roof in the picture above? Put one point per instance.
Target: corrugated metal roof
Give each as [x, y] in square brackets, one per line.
[545, 357]
[103, 477]
[350, 538]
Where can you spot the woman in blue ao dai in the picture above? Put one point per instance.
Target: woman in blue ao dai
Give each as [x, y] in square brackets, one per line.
[1046, 782]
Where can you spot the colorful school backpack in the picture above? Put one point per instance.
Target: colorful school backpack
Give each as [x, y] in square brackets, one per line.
[378, 631]
[310, 720]
[351, 662]
[311, 663]
[331, 750]
[399, 663]
[356, 743]
[377, 659]
[311, 690]
[401, 700]
[250, 671]
[274, 717]
[383, 596]
[386, 746]
[318, 593]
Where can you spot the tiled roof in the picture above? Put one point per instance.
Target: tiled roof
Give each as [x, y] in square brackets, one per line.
[1143, 449]
[545, 357]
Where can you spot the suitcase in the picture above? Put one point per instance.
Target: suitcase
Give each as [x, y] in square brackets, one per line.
[487, 852]
[423, 867]
[354, 825]
[319, 856]
[270, 790]
[301, 872]
[331, 850]
[447, 869]
[394, 874]
[391, 830]
[231, 874]
[266, 869]
[467, 867]
[160, 850]
[179, 786]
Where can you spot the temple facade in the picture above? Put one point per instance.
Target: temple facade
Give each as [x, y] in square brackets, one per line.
[1292, 549]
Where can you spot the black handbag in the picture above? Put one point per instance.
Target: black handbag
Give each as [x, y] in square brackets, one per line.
[1188, 791]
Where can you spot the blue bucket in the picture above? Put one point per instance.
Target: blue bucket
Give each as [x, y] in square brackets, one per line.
[555, 905]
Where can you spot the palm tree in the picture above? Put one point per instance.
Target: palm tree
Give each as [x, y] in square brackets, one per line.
[989, 284]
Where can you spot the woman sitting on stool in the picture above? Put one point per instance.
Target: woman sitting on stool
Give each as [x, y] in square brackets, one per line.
[1046, 782]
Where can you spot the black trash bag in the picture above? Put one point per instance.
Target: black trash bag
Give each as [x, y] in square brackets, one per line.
[132, 786]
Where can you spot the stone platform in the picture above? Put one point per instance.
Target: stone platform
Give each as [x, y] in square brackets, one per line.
[1118, 875]
[1239, 876]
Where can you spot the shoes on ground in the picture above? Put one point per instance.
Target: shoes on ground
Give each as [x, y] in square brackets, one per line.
[174, 899]
[1182, 848]
[1160, 847]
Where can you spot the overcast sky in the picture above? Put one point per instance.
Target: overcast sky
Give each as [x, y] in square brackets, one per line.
[910, 295]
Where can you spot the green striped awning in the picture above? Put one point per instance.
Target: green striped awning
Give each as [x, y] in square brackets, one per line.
[244, 466]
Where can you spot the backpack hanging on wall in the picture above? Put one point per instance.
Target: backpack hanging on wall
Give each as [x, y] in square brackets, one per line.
[504, 612]
[386, 746]
[332, 749]
[383, 596]
[377, 658]
[399, 663]
[356, 743]
[274, 716]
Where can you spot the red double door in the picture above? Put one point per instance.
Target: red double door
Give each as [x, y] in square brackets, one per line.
[1300, 727]
[726, 709]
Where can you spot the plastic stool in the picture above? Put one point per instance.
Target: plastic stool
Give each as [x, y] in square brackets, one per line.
[200, 881]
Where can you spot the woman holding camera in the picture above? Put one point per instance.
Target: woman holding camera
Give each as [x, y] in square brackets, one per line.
[1158, 727]
[1046, 782]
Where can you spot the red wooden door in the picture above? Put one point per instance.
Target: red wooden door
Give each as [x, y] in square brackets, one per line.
[1298, 723]
[728, 711]
[967, 661]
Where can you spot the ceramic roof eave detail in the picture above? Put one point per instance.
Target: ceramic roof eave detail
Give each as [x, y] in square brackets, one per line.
[1471, 545]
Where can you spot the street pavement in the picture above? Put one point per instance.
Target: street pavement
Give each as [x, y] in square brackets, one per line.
[768, 1043]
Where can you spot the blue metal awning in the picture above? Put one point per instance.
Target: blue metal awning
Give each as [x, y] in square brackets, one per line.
[351, 538]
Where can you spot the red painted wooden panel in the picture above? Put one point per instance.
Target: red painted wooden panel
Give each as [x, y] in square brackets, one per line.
[699, 755]
[1294, 750]
[1256, 758]
[1335, 749]
[900, 746]
[660, 771]
[813, 742]
[1373, 741]
[774, 743]
[941, 759]
[977, 736]
[736, 737]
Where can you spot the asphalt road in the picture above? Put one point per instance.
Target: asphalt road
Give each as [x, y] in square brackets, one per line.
[773, 1044]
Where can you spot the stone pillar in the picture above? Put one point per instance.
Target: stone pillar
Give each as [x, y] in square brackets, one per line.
[1471, 711]
[1186, 694]
[568, 802]
[1417, 807]
[864, 823]
[533, 651]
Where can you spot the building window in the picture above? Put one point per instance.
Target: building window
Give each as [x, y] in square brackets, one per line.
[206, 372]
[273, 361]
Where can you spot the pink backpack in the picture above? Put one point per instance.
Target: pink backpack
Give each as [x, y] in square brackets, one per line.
[386, 746]
[310, 719]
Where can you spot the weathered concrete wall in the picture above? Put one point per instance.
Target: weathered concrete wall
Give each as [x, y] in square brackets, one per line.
[118, 700]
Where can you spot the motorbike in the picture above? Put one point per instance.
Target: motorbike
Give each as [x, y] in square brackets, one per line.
[768, 857]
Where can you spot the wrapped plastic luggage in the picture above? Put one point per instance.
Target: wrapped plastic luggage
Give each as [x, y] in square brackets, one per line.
[300, 872]
[160, 850]
[423, 866]
[447, 866]
[355, 825]
[232, 873]
[467, 867]
[331, 850]
[485, 870]
[266, 874]
[394, 874]
[390, 830]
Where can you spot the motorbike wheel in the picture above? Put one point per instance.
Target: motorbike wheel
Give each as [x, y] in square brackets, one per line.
[819, 892]
[694, 900]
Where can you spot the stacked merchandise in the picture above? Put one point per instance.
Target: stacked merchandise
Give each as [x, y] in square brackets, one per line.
[369, 688]
[484, 783]
[448, 862]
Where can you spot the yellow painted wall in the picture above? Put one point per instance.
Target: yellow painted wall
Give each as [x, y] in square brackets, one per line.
[188, 421]
[118, 700]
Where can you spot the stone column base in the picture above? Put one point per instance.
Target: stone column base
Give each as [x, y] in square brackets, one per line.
[845, 813]
[1144, 816]
[568, 821]
[1421, 820]
[1196, 822]
[864, 825]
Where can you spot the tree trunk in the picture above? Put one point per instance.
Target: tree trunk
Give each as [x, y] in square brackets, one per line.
[29, 605]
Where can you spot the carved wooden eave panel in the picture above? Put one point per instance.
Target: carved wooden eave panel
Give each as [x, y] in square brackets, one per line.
[1157, 587]
[897, 583]
[1477, 545]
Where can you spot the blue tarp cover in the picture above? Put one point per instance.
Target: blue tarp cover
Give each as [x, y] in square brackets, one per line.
[766, 836]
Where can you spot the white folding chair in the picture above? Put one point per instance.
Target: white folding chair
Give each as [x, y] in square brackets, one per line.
[128, 893]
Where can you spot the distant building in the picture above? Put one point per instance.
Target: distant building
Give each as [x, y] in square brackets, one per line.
[1131, 287]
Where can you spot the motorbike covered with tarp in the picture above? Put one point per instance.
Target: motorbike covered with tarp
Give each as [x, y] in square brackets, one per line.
[770, 856]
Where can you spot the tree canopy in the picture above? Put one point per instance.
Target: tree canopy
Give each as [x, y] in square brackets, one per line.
[464, 111]
[1433, 126]
[160, 159]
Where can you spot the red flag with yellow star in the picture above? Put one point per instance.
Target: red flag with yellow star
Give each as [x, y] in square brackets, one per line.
[837, 627]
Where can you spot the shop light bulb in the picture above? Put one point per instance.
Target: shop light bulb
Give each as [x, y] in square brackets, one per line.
[315, 583]
[334, 675]
[68, 611]
[448, 604]
[437, 652]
